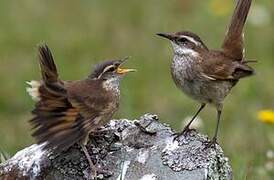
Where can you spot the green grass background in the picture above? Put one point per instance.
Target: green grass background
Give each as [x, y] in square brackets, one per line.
[81, 33]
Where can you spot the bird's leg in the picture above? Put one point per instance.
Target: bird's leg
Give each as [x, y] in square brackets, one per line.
[214, 139]
[91, 165]
[186, 128]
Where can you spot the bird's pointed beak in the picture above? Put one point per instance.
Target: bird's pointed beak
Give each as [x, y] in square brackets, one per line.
[121, 70]
[169, 36]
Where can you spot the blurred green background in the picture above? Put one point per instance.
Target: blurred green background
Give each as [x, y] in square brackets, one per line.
[81, 33]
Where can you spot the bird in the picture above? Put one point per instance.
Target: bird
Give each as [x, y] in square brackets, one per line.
[208, 75]
[66, 112]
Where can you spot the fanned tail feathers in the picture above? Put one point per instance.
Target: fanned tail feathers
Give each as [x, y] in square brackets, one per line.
[47, 65]
[33, 90]
[55, 121]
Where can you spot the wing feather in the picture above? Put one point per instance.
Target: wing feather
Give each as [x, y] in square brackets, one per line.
[218, 66]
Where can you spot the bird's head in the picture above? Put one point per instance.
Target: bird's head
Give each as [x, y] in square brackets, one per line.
[110, 70]
[185, 42]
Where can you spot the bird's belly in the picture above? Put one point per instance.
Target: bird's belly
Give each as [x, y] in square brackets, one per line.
[204, 91]
[207, 92]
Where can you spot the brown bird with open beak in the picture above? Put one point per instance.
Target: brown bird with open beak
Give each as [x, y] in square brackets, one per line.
[208, 75]
[66, 112]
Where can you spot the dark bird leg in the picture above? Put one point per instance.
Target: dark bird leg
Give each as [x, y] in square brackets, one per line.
[214, 139]
[187, 127]
[91, 165]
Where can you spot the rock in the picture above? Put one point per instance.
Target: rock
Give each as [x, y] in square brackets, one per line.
[136, 150]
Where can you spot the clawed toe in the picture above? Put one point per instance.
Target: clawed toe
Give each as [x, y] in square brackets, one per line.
[211, 143]
[182, 133]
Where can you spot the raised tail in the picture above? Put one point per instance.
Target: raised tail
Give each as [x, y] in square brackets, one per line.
[233, 42]
[55, 121]
[47, 66]
[48, 71]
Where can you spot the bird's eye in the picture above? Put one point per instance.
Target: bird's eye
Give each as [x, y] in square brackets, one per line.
[182, 40]
[110, 69]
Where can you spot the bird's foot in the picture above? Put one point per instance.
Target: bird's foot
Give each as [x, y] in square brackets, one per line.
[211, 144]
[182, 133]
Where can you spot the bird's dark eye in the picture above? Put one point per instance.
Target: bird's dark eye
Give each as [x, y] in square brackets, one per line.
[182, 40]
[111, 69]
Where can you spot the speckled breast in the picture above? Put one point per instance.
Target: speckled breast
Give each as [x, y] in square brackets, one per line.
[188, 79]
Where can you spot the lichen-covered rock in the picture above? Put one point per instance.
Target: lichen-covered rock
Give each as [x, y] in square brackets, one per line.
[126, 150]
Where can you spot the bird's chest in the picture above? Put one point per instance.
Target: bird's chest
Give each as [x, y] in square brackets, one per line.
[113, 91]
[183, 72]
[112, 87]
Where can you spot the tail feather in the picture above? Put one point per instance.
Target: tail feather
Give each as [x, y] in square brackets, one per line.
[47, 66]
[233, 42]
[60, 136]
[58, 125]
[33, 90]
[243, 70]
[55, 121]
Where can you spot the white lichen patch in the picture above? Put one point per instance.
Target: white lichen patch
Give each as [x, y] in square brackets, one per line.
[206, 173]
[129, 149]
[125, 166]
[119, 123]
[28, 160]
[149, 177]
[112, 124]
[154, 148]
[142, 156]
[171, 144]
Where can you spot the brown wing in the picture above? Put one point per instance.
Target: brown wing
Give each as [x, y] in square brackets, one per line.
[91, 100]
[66, 113]
[233, 42]
[217, 66]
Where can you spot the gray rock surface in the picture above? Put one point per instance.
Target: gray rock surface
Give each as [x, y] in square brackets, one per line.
[126, 150]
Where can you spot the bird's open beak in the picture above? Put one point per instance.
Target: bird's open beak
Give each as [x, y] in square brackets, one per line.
[169, 36]
[121, 70]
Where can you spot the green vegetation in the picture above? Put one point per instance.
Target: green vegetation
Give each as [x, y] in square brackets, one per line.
[81, 33]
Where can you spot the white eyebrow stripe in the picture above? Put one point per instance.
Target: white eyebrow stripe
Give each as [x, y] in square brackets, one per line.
[191, 40]
[108, 67]
[105, 70]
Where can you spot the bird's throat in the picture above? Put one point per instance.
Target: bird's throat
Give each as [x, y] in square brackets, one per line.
[112, 84]
[181, 51]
